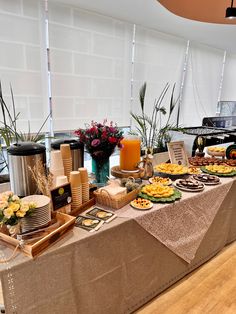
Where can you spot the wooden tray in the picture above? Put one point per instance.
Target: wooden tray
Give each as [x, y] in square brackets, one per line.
[116, 172]
[34, 249]
[83, 207]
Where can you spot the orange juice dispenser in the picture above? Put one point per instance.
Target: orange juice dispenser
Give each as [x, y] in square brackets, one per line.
[130, 153]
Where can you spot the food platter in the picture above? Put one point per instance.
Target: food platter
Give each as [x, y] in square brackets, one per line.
[219, 174]
[171, 171]
[141, 204]
[160, 180]
[158, 193]
[207, 179]
[189, 185]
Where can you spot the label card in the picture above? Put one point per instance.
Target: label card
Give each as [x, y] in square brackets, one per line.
[177, 153]
[61, 196]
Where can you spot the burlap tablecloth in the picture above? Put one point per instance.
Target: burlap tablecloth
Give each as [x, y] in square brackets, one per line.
[181, 226]
[115, 270]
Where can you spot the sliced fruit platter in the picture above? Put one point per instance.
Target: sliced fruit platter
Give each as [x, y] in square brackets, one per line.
[189, 185]
[207, 179]
[160, 180]
[159, 193]
[173, 171]
[141, 204]
[220, 170]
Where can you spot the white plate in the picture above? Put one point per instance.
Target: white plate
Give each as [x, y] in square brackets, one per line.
[201, 188]
[207, 183]
[147, 208]
[40, 200]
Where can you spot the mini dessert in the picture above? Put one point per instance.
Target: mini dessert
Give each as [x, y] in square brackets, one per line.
[207, 179]
[193, 170]
[189, 185]
[160, 180]
[157, 190]
[171, 169]
[141, 203]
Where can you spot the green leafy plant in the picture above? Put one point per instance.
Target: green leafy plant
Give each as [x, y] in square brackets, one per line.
[8, 128]
[150, 128]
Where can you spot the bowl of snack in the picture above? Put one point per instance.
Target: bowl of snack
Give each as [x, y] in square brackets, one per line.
[141, 204]
[216, 151]
[172, 171]
[160, 180]
[220, 170]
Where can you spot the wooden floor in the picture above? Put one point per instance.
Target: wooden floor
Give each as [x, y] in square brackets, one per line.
[209, 289]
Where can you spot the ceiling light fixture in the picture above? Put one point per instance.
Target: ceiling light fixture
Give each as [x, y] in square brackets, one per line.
[231, 11]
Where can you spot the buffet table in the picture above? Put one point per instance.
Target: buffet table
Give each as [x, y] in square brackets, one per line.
[118, 268]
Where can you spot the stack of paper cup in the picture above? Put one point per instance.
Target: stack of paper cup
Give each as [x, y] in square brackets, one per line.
[66, 158]
[61, 180]
[56, 165]
[85, 184]
[76, 189]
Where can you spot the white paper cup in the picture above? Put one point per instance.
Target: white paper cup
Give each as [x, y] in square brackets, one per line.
[56, 160]
[61, 180]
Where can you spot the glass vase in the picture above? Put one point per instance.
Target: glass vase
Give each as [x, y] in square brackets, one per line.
[101, 170]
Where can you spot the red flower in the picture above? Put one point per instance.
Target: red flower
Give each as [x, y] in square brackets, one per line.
[112, 140]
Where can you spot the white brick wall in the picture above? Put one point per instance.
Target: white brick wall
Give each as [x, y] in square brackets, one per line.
[90, 63]
[20, 60]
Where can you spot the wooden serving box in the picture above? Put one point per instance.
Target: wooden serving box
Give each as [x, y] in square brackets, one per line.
[83, 207]
[32, 250]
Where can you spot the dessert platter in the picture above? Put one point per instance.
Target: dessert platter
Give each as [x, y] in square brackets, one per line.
[220, 170]
[141, 204]
[160, 180]
[173, 171]
[189, 185]
[205, 161]
[216, 151]
[159, 193]
[207, 179]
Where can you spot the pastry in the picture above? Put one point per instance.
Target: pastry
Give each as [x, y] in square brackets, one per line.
[141, 203]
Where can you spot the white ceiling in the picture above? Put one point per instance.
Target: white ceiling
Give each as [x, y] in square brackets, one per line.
[152, 14]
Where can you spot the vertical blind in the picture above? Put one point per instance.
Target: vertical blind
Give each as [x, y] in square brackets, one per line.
[158, 59]
[90, 67]
[22, 62]
[202, 84]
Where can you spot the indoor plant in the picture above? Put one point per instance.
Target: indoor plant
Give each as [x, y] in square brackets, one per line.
[9, 132]
[100, 140]
[153, 133]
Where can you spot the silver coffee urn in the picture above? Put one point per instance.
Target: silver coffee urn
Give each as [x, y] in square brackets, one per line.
[21, 157]
[77, 151]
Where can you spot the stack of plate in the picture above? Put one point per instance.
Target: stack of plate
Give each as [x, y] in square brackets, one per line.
[41, 215]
